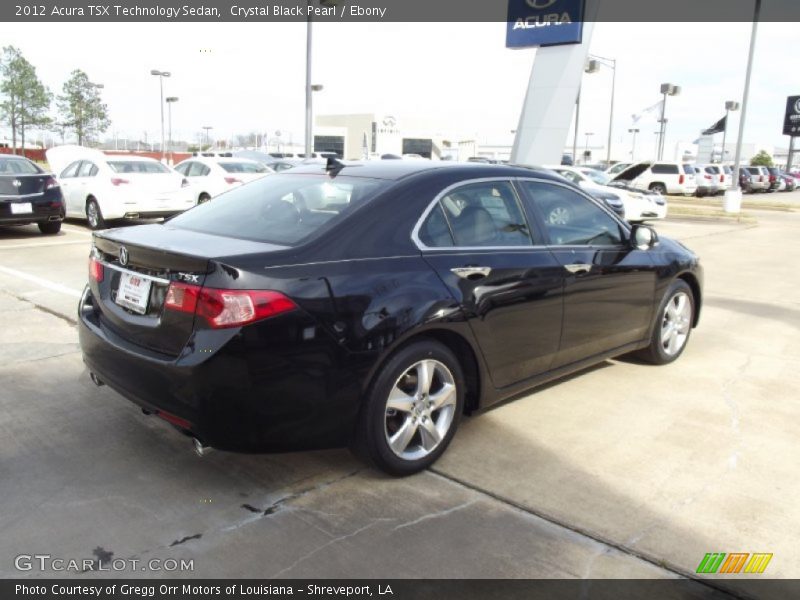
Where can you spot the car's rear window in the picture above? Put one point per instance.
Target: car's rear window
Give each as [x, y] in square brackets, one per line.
[688, 169]
[281, 209]
[137, 166]
[244, 167]
[18, 166]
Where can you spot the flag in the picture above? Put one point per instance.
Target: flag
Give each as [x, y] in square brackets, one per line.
[650, 111]
[717, 127]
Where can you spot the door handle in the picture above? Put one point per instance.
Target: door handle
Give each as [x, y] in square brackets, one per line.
[471, 272]
[578, 268]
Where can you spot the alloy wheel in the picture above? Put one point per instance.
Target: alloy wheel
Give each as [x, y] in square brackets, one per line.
[420, 409]
[92, 215]
[676, 323]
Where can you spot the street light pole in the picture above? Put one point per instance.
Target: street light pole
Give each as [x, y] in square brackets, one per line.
[575, 135]
[634, 131]
[208, 139]
[667, 89]
[738, 157]
[161, 75]
[308, 85]
[170, 101]
[593, 66]
[586, 149]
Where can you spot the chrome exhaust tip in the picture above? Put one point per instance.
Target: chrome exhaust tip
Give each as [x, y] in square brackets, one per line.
[200, 449]
[96, 380]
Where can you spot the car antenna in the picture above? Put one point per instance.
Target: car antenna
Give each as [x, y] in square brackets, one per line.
[334, 165]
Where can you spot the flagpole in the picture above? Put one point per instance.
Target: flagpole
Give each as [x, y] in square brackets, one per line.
[731, 205]
[724, 135]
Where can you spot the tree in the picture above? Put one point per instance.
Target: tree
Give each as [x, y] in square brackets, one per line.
[26, 100]
[81, 108]
[762, 159]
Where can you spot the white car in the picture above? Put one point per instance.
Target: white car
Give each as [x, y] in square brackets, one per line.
[637, 205]
[724, 175]
[661, 177]
[102, 187]
[209, 176]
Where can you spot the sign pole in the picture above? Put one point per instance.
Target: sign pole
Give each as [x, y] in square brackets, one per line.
[791, 152]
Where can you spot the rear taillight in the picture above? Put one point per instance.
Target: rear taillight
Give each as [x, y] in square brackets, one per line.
[184, 182]
[226, 308]
[722, 178]
[232, 180]
[681, 179]
[118, 181]
[95, 270]
[50, 183]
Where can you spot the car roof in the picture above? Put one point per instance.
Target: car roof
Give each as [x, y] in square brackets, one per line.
[129, 157]
[399, 169]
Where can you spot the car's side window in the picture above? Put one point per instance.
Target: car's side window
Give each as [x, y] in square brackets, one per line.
[572, 219]
[484, 214]
[88, 169]
[197, 169]
[183, 168]
[664, 169]
[435, 232]
[71, 170]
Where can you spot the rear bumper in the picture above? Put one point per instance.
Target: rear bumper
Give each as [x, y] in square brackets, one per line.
[46, 207]
[236, 391]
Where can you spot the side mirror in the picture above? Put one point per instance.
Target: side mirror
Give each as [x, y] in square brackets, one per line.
[643, 237]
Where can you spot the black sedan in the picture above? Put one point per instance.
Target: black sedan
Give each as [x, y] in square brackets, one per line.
[373, 304]
[28, 195]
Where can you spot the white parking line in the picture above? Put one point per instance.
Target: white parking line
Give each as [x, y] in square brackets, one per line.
[45, 283]
[43, 245]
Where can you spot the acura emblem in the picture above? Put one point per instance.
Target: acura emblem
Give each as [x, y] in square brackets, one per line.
[123, 255]
[796, 109]
[540, 4]
[16, 183]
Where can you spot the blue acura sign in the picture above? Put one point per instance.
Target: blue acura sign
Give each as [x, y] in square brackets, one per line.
[544, 23]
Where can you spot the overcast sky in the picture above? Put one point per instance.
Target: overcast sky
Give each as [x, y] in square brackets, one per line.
[240, 77]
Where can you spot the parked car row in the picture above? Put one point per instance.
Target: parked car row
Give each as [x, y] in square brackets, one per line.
[102, 187]
[631, 204]
[692, 179]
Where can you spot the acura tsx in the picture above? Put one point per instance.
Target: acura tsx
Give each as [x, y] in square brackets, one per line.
[372, 304]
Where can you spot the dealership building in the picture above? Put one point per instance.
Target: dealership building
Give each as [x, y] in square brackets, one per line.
[370, 135]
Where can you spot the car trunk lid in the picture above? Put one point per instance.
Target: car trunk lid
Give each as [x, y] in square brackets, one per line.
[138, 266]
[25, 185]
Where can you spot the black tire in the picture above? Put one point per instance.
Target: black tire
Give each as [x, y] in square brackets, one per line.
[656, 352]
[203, 198]
[659, 188]
[50, 227]
[377, 420]
[94, 215]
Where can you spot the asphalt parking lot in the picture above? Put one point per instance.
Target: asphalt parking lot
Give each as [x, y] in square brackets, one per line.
[624, 470]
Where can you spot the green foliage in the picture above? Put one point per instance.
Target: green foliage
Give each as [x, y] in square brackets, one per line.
[25, 99]
[762, 159]
[81, 108]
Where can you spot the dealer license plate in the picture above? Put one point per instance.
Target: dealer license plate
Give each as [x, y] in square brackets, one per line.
[133, 292]
[21, 208]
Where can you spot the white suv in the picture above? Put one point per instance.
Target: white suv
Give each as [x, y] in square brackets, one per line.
[660, 177]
